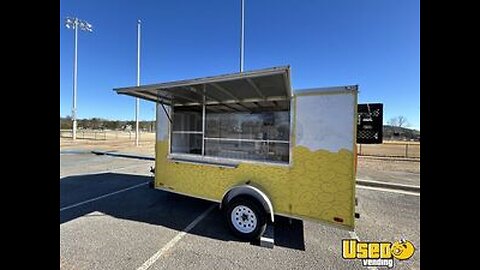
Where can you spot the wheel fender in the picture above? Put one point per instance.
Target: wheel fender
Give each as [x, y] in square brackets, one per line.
[251, 191]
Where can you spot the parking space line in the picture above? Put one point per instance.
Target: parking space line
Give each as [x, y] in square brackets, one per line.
[353, 235]
[390, 190]
[101, 197]
[172, 242]
[105, 171]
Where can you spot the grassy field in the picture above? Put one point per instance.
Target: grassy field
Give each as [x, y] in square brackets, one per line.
[109, 141]
[390, 149]
[125, 141]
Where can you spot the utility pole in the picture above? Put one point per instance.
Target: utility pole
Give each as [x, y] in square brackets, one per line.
[242, 35]
[137, 100]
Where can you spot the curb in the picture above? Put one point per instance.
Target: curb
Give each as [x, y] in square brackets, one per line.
[389, 158]
[74, 151]
[120, 154]
[382, 184]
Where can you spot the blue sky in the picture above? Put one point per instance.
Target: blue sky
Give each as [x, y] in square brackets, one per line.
[373, 43]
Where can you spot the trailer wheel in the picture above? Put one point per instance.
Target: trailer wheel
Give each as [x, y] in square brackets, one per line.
[246, 218]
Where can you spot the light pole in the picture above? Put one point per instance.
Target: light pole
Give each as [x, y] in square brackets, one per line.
[137, 100]
[242, 34]
[76, 23]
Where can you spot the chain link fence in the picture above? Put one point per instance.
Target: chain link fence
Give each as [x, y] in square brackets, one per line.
[84, 134]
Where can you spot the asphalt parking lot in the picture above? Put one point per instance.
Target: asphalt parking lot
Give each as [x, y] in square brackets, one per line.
[111, 219]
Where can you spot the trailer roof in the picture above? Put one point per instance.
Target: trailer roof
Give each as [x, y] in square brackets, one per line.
[231, 90]
[326, 90]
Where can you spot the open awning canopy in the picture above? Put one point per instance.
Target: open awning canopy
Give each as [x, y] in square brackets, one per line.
[245, 91]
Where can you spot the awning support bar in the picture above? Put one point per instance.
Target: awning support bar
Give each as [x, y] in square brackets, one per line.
[206, 95]
[165, 110]
[254, 86]
[228, 93]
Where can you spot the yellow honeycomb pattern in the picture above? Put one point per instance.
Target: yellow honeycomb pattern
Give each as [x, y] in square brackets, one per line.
[319, 185]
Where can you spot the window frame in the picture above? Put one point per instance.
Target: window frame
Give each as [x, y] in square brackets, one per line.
[204, 159]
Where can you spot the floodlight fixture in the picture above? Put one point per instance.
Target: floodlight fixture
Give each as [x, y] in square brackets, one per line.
[76, 24]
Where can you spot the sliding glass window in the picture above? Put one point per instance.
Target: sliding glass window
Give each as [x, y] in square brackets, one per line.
[257, 136]
[262, 136]
[187, 130]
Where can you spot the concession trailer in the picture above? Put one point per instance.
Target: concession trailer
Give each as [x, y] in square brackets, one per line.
[257, 147]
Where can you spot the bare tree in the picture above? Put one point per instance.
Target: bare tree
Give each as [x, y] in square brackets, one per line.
[399, 121]
[393, 122]
[402, 121]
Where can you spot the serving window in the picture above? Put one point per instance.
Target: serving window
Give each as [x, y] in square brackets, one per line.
[255, 132]
[226, 118]
[187, 131]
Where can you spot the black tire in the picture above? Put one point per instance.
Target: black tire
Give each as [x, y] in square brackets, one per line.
[256, 210]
